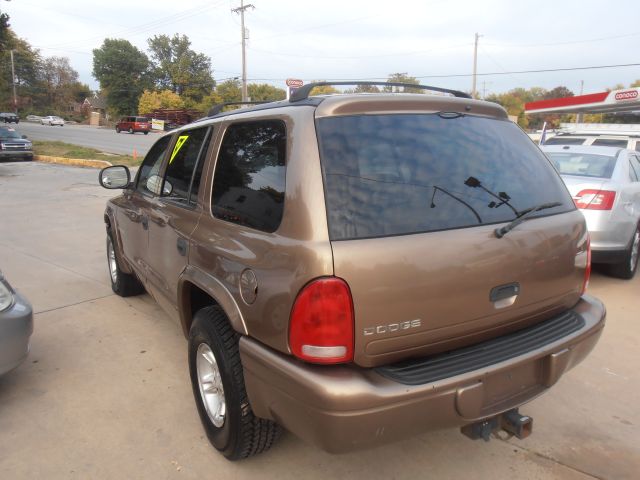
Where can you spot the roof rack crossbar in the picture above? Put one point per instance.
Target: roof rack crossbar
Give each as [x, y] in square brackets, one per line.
[303, 92]
[217, 108]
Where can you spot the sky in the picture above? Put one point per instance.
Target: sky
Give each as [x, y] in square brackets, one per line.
[344, 40]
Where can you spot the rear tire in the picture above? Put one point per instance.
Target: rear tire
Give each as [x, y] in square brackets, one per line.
[123, 284]
[218, 388]
[131, 131]
[146, 133]
[117, 129]
[626, 269]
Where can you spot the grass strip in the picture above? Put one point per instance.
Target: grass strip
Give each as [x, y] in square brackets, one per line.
[68, 150]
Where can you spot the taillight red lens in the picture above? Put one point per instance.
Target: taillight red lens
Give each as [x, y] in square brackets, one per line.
[595, 199]
[321, 323]
[587, 269]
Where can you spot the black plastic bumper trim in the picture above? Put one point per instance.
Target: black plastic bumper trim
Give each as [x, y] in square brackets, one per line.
[456, 362]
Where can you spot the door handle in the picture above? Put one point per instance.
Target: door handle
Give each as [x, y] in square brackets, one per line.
[145, 222]
[182, 246]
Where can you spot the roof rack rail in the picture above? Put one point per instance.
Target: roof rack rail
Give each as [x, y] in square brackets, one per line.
[217, 108]
[303, 92]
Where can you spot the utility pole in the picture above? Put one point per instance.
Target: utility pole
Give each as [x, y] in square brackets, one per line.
[240, 10]
[13, 81]
[475, 66]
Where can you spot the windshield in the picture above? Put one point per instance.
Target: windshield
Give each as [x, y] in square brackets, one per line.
[400, 174]
[9, 134]
[583, 164]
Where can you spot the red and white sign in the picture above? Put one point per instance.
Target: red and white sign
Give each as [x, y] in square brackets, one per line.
[294, 82]
[627, 95]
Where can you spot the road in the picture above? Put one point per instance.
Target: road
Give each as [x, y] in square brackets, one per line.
[105, 392]
[103, 139]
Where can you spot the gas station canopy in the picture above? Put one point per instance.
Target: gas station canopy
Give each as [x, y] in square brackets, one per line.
[626, 100]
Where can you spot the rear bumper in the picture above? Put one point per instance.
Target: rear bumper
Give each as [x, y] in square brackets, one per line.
[610, 231]
[16, 327]
[342, 408]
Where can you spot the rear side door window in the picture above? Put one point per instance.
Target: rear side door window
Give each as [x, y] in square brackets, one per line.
[149, 180]
[633, 171]
[184, 170]
[249, 180]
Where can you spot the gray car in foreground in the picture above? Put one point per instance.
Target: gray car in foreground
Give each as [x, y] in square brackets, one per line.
[605, 185]
[16, 326]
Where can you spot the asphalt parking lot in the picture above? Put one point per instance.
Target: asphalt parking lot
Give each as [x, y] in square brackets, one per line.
[105, 392]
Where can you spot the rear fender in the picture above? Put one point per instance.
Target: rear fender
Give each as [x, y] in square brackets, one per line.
[216, 290]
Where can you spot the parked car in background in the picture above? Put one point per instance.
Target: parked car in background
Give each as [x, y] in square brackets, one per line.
[33, 118]
[14, 146]
[605, 185]
[357, 268]
[597, 134]
[8, 117]
[16, 327]
[133, 125]
[52, 120]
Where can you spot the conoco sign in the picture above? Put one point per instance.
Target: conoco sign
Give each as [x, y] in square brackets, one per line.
[294, 82]
[627, 95]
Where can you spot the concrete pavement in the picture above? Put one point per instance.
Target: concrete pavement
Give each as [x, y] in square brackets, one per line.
[105, 392]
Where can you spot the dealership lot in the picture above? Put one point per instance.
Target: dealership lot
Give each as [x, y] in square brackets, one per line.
[105, 392]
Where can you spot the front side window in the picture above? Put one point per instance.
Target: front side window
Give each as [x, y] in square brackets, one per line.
[399, 174]
[249, 180]
[188, 153]
[149, 180]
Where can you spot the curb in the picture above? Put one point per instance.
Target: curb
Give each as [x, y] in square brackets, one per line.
[76, 162]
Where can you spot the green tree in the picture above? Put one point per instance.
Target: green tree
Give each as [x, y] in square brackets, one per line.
[150, 101]
[180, 69]
[59, 81]
[263, 92]
[123, 73]
[229, 91]
[402, 78]
[366, 89]
[323, 89]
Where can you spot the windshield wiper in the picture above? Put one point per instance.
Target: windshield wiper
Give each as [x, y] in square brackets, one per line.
[433, 205]
[502, 231]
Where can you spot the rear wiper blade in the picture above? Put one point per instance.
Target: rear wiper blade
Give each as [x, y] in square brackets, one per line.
[524, 214]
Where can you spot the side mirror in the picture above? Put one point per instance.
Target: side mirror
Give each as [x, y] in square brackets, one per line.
[24, 137]
[114, 177]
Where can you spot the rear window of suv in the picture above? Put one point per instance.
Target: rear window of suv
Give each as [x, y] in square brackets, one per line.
[409, 173]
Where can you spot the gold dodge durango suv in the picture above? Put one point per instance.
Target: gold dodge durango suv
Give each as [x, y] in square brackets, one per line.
[358, 268]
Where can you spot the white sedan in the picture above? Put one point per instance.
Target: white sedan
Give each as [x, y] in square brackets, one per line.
[52, 120]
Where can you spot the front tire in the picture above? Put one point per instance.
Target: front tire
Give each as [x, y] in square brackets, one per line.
[218, 386]
[117, 129]
[123, 284]
[130, 131]
[626, 269]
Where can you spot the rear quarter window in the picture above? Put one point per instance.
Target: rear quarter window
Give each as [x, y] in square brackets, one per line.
[249, 179]
[400, 174]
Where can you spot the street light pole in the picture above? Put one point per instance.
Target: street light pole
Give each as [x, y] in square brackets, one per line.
[240, 10]
[13, 82]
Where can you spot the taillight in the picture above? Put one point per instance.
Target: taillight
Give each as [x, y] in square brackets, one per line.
[583, 259]
[595, 199]
[321, 323]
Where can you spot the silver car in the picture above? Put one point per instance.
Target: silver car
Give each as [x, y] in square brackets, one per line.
[52, 120]
[16, 326]
[605, 185]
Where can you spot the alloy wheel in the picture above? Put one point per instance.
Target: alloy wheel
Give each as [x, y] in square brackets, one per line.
[210, 383]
